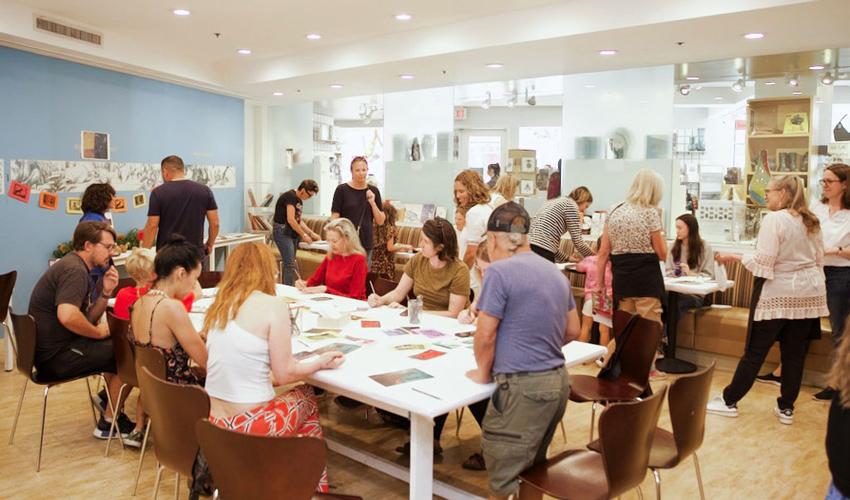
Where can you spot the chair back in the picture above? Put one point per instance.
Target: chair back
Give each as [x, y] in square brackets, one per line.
[625, 434]
[173, 410]
[125, 358]
[384, 286]
[638, 352]
[252, 467]
[123, 283]
[7, 285]
[209, 279]
[25, 333]
[150, 358]
[688, 398]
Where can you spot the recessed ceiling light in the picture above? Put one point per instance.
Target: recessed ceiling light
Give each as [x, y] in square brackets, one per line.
[495, 65]
[244, 52]
[718, 98]
[277, 94]
[335, 85]
[314, 36]
[692, 78]
[403, 17]
[816, 67]
[754, 36]
[406, 77]
[607, 52]
[797, 92]
[590, 86]
[180, 12]
[770, 83]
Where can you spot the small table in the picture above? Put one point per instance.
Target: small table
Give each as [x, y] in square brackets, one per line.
[684, 285]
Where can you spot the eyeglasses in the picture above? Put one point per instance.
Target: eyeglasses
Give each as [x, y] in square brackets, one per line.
[110, 248]
[827, 182]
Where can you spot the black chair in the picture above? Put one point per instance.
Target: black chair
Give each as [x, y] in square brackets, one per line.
[7, 286]
[26, 332]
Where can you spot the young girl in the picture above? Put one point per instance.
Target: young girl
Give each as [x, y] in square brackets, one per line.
[140, 267]
[597, 311]
[383, 256]
[476, 280]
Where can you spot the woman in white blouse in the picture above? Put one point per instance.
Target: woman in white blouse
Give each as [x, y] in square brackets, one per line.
[472, 195]
[789, 296]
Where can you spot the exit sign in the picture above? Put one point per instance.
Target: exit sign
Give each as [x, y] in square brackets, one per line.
[460, 113]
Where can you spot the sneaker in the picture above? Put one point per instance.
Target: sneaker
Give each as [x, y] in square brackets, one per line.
[100, 400]
[134, 439]
[786, 416]
[718, 406]
[769, 378]
[347, 403]
[405, 448]
[601, 362]
[125, 427]
[825, 395]
[475, 462]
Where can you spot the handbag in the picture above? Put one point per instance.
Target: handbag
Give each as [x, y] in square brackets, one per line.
[839, 133]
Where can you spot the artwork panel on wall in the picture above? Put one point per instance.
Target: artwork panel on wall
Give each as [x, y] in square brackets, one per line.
[74, 206]
[139, 200]
[48, 200]
[19, 191]
[95, 145]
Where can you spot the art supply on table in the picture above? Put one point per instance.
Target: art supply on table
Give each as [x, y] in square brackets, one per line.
[400, 377]
[370, 324]
[425, 393]
[429, 354]
[414, 307]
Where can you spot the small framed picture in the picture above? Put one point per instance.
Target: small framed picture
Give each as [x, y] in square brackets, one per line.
[139, 200]
[74, 206]
[95, 145]
[119, 204]
[529, 164]
[526, 187]
[19, 191]
[48, 200]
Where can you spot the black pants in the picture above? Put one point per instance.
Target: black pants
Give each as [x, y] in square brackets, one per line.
[81, 356]
[793, 336]
[546, 254]
[478, 411]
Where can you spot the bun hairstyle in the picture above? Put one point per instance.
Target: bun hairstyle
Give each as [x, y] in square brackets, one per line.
[177, 252]
[442, 235]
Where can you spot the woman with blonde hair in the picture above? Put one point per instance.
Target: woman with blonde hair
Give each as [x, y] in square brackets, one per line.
[838, 424]
[583, 198]
[504, 190]
[471, 194]
[633, 240]
[789, 295]
[343, 271]
[250, 352]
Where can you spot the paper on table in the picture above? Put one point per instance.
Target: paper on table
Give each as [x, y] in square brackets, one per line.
[448, 389]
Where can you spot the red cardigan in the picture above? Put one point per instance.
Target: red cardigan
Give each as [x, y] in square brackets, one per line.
[343, 275]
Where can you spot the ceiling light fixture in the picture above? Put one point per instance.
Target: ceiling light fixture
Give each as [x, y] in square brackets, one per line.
[244, 52]
[485, 104]
[277, 94]
[797, 92]
[335, 86]
[754, 36]
[793, 80]
[607, 52]
[314, 36]
[739, 85]
[531, 101]
[816, 67]
[684, 89]
[827, 78]
[403, 17]
[181, 12]
[692, 78]
[718, 98]
[589, 86]
[770, 83]
[406, 76]
[495, 65]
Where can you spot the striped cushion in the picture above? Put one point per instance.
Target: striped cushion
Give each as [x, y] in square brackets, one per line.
[316, 223]
[409, 235]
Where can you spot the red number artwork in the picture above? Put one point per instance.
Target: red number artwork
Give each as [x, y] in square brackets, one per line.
[20, 192]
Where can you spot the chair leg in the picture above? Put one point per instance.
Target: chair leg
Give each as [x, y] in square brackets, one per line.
[18, 412]
[41, 435]
[459, 417]
[563, 431]
[640, 493]
[699, 477]
[114, 425]
[142, 455]
[159, 468]
[657, 474]
[176, 486]
[592, 419]
[91, 403]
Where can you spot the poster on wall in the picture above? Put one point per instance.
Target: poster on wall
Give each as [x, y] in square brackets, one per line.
[95, 145]
[19, 191]
[74, 206]
[48, 200]
[119, 204]
[2, 177]
[139, 200]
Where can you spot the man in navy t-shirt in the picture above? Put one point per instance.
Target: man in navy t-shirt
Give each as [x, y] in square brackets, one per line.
[179, 207]
[526, 314]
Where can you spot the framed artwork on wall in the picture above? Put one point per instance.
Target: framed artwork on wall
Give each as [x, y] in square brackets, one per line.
[95, 145]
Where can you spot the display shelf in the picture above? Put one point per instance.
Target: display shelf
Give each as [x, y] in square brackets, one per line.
[779, 136]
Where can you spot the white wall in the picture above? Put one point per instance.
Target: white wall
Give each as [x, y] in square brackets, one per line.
[511, 119]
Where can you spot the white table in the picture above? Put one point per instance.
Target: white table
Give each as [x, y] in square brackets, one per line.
[224, 241]
[447, 390]
[324, 247]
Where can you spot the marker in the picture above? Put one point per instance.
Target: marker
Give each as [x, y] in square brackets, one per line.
[425, 393]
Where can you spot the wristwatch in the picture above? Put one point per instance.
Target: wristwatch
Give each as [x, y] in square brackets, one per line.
[103, 295]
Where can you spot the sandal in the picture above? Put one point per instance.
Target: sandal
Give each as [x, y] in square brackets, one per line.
[475, 462]
[405, 449]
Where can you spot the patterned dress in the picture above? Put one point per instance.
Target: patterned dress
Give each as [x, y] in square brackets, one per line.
[383, 261]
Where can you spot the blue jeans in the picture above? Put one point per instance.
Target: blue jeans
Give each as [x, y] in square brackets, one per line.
[833, 493]
[837, 298]
[287, 245]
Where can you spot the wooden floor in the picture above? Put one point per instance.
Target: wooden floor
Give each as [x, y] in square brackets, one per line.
[751, 457]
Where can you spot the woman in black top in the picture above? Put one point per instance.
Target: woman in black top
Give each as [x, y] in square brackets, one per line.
[289, 230]
[838, 426]
[360, 203]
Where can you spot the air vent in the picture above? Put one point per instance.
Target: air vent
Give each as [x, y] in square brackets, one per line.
[45, 24]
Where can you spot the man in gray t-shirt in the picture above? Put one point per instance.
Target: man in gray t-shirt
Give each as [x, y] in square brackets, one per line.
[526, 314]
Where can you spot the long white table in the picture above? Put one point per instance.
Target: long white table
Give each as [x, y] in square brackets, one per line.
[420, 400]
[223, 242]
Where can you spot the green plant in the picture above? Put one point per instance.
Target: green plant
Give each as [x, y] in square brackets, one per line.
[124, 242]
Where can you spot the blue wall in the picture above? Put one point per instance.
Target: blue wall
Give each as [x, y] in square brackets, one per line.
[45, 103]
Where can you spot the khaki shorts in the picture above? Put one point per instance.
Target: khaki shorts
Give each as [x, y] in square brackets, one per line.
[521, 419]
[647, 307]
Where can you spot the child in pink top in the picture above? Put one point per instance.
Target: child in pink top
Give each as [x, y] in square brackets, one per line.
[598, 312]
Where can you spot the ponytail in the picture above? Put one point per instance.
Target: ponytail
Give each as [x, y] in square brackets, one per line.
[793, 184]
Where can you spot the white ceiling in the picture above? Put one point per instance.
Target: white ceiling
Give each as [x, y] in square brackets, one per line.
[447, 43]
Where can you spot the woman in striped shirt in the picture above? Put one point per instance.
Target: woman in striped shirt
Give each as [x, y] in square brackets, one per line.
[556, 218]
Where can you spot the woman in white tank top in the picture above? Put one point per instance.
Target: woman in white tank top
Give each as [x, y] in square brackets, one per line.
[248, 339]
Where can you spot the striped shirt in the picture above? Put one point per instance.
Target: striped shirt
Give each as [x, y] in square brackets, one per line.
[554, 219]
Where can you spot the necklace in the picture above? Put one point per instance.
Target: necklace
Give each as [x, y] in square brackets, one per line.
[156, 291]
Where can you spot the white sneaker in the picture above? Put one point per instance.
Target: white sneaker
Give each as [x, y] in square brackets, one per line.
[718, 406]
[786, 416]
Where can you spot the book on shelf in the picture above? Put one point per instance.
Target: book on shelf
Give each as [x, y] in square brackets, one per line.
[259, 223]
[251, 199]
[267, 201]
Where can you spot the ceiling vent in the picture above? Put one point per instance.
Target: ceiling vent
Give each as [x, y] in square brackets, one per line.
[44, 24]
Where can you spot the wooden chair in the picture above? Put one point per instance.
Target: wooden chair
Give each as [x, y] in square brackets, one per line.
[637, 351]
[248, 467]
[209, 279]
[625, 435]
[126, 365]
[7, 286]
[150, 358]
[123, 283]
[173, 410]
[26, 333]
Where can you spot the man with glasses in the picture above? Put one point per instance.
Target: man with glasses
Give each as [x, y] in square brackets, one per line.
[72, 340]
[288, 228]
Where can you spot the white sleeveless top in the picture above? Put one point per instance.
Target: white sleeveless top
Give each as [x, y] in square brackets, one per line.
[238, 369]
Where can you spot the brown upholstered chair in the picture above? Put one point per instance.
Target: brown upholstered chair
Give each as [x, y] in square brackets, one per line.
[150, 358]
[7, 286]
[248, 467]
[173, 410]
[626, 431]
[126, 364]
[209, 279]
[636, 356]
[26, 332]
